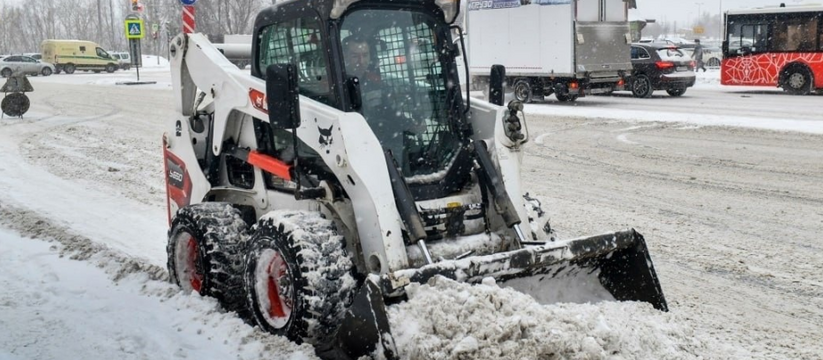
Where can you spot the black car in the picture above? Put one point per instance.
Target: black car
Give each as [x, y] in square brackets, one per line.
[660, 67]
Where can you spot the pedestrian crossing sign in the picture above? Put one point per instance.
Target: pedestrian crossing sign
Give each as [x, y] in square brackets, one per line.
[134, 29]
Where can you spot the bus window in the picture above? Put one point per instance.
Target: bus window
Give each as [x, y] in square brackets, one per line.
[755, 37]
[796, 33]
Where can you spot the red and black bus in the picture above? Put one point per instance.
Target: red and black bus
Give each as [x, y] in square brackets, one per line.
[777, 46]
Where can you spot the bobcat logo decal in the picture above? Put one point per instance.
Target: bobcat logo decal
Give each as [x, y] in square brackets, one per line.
[325, 138]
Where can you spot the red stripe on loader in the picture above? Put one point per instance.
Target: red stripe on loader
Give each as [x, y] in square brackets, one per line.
[270, 165]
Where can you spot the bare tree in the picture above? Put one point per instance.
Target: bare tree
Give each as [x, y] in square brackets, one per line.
[24, 25]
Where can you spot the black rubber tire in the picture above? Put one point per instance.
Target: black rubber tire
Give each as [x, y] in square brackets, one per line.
[522, 90]
[566, 97]
[713, 62]
[69, 68]
[220, 235]
[797, 81]
[46, 71]
[319, 274]
[58, 69]
[110, 68]
[6, 72]
[676, 92]
[642, 86]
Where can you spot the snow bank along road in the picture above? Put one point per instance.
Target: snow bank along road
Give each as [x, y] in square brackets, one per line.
[731, 215]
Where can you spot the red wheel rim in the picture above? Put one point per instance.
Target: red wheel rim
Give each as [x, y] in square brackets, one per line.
[192, 265]
[279, 289]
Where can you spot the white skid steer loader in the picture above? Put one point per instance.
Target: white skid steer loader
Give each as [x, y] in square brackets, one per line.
[347, 165]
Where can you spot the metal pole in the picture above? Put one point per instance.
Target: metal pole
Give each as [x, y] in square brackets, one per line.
[156, 37]
[720, 29]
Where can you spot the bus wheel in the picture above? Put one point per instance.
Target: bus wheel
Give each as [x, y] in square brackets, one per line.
[797, 81]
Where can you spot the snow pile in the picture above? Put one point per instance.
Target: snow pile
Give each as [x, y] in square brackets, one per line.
[448, 320]
[51, 291]
[153, 61]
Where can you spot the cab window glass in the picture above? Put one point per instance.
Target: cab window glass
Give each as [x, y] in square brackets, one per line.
[299, 42]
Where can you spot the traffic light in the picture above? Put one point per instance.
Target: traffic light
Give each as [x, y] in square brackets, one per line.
[135, 6]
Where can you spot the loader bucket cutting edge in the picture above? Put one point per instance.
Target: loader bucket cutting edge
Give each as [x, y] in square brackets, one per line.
[616, 265]
[365, 328]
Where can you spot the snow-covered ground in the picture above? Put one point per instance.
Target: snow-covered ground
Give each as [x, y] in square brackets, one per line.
[83, 222]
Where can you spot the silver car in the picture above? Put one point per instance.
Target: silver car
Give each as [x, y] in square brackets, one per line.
[25, 65]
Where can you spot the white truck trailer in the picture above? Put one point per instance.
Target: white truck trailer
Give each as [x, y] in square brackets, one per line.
[569, 48]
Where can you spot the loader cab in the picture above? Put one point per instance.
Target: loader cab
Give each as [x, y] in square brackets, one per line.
[394, 63]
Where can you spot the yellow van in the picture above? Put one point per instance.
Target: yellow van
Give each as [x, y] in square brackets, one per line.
[71, 55]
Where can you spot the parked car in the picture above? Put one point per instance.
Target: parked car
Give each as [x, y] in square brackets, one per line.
[36, 56]
[660, 67]
[123, 58]
[24, 64]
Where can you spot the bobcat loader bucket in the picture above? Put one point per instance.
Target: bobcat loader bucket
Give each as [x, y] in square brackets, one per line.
[605, 267]
[614, 266]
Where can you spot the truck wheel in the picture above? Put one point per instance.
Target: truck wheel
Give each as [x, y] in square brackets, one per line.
[46, 71]
[642, 86]
[565, 97]
[797, 80]
[6, 72]
[205, 252]
[110, 68]
[523, 90]
[58, 69]
[676, 91]
[70, 68]
[298, 277]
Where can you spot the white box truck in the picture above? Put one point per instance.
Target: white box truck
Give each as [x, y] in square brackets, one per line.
[569, 48]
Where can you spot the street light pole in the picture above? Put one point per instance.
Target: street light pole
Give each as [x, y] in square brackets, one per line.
[720, 29]
[699, 4]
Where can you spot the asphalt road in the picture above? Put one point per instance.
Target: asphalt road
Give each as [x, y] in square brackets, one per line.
[757, 102]
[731, 214]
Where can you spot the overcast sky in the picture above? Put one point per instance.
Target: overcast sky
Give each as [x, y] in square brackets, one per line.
[687, 10]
